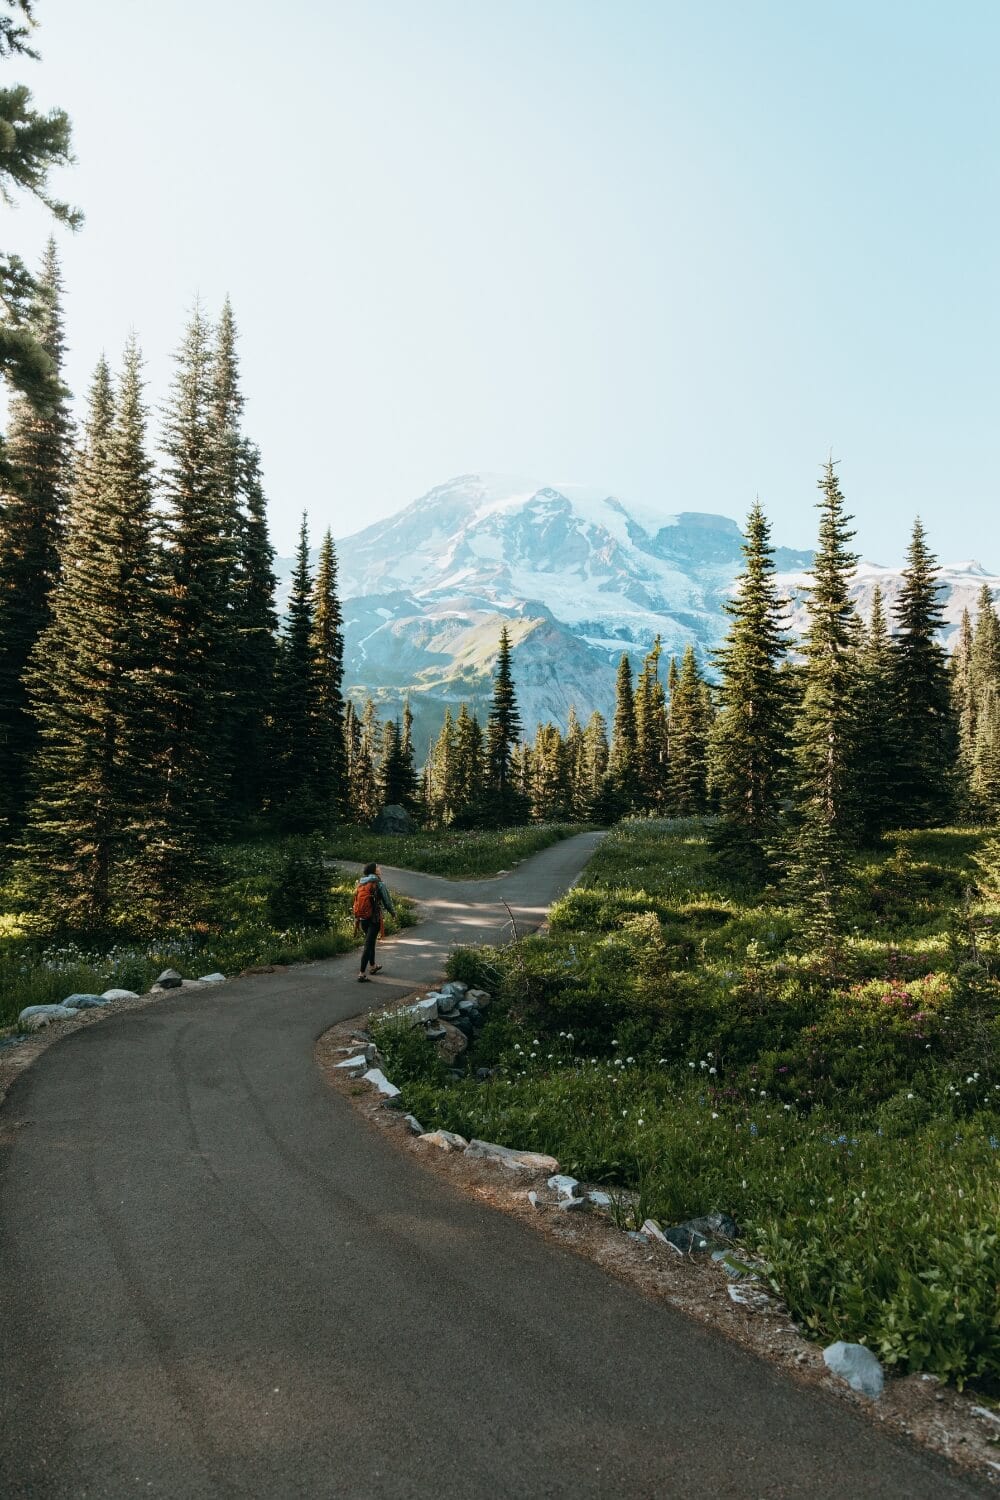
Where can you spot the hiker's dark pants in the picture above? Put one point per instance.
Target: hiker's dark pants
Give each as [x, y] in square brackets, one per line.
[370, 927]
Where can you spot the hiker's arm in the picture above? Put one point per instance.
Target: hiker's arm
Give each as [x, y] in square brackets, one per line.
[385, 898]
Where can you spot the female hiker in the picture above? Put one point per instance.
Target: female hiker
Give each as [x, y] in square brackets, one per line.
[370, 897]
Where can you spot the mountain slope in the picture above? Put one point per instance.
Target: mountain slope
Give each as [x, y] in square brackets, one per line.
[578, 576]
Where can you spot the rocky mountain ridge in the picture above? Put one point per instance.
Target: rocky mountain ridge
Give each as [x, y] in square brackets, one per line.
[577, 574]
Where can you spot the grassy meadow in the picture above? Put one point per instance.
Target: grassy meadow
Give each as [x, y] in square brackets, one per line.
[670, 1036]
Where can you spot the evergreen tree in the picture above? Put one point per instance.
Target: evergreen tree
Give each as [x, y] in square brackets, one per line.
[255, 627]
[502, 734]
[32, 502]
[248, 626]
[600, 804]
[986, 641]
[749, 743]
[33, 144]
[549, 778]
[200, 561]
[824, 729]
[986, 764]
[575, 750]
[95, 812]
[876, 738]
[651, 732]
[690, 722]
[327, 676]
[440, 795]
[963, 707]
[623, 758]
[363, 804]
[397, 777]
[298, 698]
[921, 696]
[469, 771]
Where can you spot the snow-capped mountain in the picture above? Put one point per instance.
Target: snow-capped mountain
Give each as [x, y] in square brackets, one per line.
[578, 575]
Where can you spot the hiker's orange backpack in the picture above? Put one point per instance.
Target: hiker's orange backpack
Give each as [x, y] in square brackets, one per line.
[365, 900]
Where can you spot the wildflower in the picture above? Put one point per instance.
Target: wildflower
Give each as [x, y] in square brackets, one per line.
[711, 1070]
[715, 1115]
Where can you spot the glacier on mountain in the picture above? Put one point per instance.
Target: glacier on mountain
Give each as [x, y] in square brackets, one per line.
[578, 574]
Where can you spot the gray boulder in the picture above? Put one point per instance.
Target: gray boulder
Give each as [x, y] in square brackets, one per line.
[34, 1017]
[211, 978]
[170, 980]
[393, 819]
[456, 987]
[83, 1002]
[702, 1233]
[858, 1366]
[119, 995]
[482, 998]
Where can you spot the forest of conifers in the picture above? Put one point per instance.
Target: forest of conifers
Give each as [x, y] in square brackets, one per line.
[152, 703]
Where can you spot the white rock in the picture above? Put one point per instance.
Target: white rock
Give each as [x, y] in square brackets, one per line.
[455, 987]
[603, 1200]
[532, 1161]
[425, 1010]
[569, 1203]
[192, 984]
[534, 1199]
[378, 1080]
[566, 1187]
[211, 978]
[414, 1124]
[447, 1140]
[748, 1296]
[858, 1366]
[356, 1064]
[984, 1411]
[654, 1231]
[119, 995]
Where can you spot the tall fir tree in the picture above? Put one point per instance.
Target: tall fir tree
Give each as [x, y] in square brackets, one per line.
[927, 736]
[439, 775]
[689, 727]
[297, 698]
[32, 502]
[469, 772]
[600, 803]
[249, 627]
[362, 787]
[651, 733]
[503, 731]
[200, 562]
[624, 751]
[876, 729]
[551, 798]
[328, 672]
[748, 750]
[255, 628]
[963, 706]
[824, 736]
[94, 831]
[576, 768]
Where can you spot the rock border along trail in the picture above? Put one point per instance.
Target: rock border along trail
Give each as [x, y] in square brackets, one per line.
[219, 1281]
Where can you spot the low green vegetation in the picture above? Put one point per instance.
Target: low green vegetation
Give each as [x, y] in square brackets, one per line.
[673, 1036]
[280, 902]
[453, 852]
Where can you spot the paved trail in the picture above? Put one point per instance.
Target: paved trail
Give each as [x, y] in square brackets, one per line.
[217, 1281]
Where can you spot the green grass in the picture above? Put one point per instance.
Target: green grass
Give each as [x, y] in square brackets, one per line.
[458, 854]
[231, 929]
[670, 1037]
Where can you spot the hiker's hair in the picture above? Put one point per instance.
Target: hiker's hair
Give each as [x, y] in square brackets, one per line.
[370, 869]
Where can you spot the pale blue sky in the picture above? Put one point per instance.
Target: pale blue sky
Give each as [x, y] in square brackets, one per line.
[677, 249]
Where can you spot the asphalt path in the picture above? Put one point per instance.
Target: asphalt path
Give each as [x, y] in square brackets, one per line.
[217, 1280]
